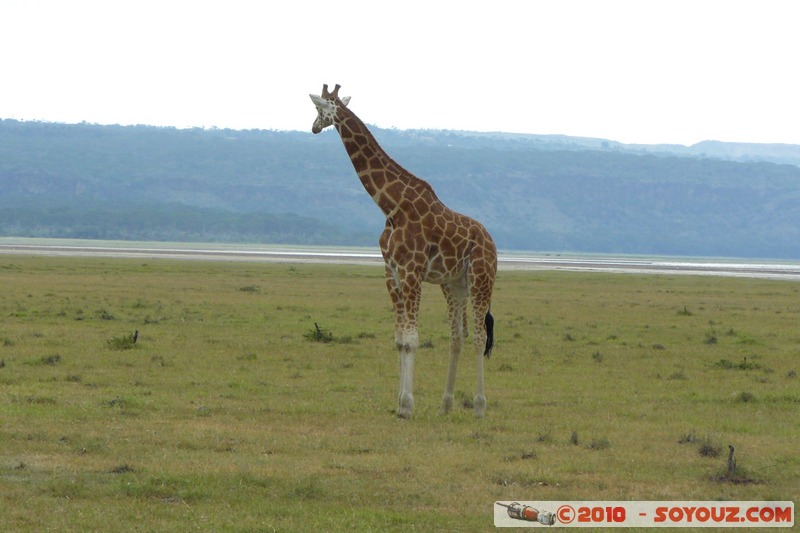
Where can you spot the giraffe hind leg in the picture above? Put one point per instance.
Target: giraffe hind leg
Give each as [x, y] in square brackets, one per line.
[483, 339]
[456, 297]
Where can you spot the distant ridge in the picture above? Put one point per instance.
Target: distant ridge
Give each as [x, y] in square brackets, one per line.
[788, 154]
[533, 192]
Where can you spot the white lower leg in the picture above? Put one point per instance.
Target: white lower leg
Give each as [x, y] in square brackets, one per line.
[405, 400]
[450, 385]
[407, 349]
[480, 399]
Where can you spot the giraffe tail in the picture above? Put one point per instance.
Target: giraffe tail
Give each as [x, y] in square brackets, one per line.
[489, 321]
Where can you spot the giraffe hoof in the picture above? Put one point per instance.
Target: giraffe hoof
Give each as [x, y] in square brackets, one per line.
[447, 404]
[480, 406]
[405, 405]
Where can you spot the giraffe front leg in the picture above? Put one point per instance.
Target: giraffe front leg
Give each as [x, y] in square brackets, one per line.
[407, 344]
[408, 340]
[405, 398]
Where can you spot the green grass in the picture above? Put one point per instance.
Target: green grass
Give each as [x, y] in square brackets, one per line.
[227, 414]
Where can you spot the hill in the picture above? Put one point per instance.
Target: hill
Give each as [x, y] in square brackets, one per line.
[546, 193]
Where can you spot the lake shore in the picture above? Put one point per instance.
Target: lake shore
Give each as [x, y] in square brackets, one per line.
[507, 260]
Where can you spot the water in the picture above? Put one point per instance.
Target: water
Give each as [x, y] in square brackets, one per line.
[507, 260]
[756, 268]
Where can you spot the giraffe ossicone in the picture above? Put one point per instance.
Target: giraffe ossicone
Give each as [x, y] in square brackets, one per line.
[423, 241]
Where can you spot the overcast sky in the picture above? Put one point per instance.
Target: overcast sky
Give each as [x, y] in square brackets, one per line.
[635, 71]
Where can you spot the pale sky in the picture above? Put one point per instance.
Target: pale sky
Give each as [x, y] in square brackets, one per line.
[634, 71]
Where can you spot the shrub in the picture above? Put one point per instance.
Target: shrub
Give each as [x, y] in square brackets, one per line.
[745, 397]
[125, 342]
[707, 448]
[50, 359]
[600, 444]
[319, 335]
[248, 288]
[742, 365]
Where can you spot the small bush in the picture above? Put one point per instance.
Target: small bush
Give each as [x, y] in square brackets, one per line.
[707, 448]
[319, 334]
[248, 288]
[741, 365]
[122, 469]
[600, 444]
[125, 342]
[745, 397]
[40, 400]
[740, 477]
[50, 359]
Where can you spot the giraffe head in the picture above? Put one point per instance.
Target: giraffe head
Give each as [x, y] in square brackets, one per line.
[327, 107]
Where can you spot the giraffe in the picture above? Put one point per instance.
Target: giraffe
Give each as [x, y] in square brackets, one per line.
[423, 241]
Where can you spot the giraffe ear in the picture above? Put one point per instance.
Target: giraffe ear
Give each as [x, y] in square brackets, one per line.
[345, 100]
[318, 100]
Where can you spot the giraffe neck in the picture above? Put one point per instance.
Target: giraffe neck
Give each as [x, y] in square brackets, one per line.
[389, 184]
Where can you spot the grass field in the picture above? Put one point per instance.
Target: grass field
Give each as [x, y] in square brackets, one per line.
[231, 412]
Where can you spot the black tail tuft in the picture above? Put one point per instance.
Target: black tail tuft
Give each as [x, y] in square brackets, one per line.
[489, 334]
